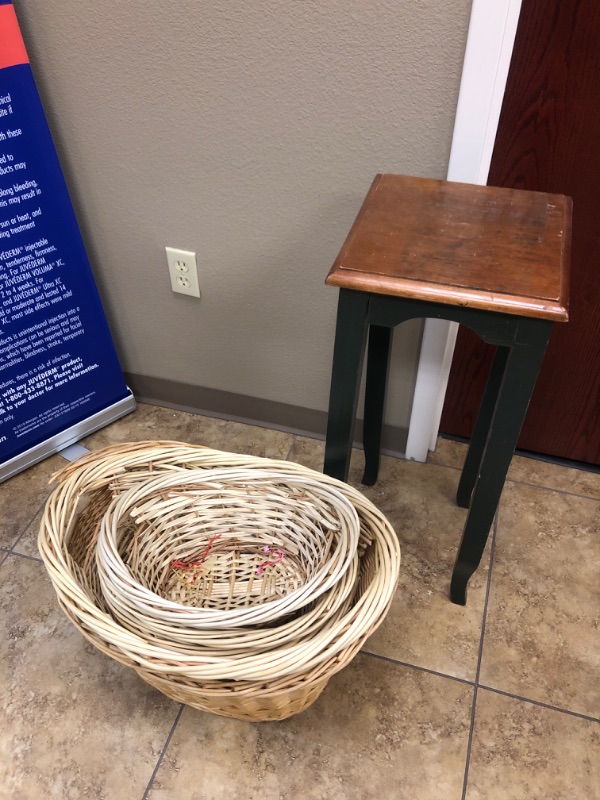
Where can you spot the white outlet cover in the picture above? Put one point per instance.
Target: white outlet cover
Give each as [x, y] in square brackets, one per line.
[183, 271]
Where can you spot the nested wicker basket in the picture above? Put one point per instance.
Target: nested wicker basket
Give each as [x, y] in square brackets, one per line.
[251, 546]
[264, 668]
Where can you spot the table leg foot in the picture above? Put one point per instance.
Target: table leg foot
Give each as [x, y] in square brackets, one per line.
[369, 477]
[458, 586]
[463, 497]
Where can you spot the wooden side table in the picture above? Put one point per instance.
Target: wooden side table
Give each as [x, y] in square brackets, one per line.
[493, 259]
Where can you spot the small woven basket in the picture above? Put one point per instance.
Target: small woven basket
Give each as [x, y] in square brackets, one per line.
[263, 671]
[224, 547]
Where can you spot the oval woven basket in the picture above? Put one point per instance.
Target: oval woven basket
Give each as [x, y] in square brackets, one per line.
[245, 672]
[224, 547]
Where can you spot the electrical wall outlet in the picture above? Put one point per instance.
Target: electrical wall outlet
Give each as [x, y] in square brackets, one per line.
[183, 271]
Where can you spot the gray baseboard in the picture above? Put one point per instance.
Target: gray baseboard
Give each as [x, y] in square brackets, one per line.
[251, 410]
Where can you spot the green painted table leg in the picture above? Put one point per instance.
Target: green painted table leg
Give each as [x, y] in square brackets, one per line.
[516, 386]
[378, 359]
[348, 356]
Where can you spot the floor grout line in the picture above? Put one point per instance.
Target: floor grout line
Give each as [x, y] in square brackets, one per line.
[529, 455]
[162, 753]
[417, 667]
[29, 524]
[469, 744]
[527, 483]
[467, 682]
[479, 658]
[553, 489]
[24, 555]
[290, 451]
[540, 703]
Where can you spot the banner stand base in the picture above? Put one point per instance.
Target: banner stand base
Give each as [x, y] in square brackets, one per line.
[70, 435]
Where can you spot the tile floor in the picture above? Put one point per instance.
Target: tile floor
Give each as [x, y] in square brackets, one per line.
[500, 699]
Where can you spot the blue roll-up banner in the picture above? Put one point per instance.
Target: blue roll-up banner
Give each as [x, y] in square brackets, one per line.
[60, 377]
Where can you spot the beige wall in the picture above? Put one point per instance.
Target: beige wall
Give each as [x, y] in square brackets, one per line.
[248, 132]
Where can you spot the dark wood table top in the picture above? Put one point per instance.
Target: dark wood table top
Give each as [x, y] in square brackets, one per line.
[503, 250]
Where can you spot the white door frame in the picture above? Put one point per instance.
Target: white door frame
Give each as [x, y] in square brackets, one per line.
[490, 41]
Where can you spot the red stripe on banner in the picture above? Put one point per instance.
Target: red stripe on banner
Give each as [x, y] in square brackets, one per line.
[12, 49]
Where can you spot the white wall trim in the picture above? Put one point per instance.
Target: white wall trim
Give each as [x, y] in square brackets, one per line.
[490, 42]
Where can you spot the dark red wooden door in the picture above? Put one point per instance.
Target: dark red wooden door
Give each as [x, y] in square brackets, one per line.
[549, 140]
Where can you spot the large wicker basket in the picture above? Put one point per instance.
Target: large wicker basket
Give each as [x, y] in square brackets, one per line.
[262, 669]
